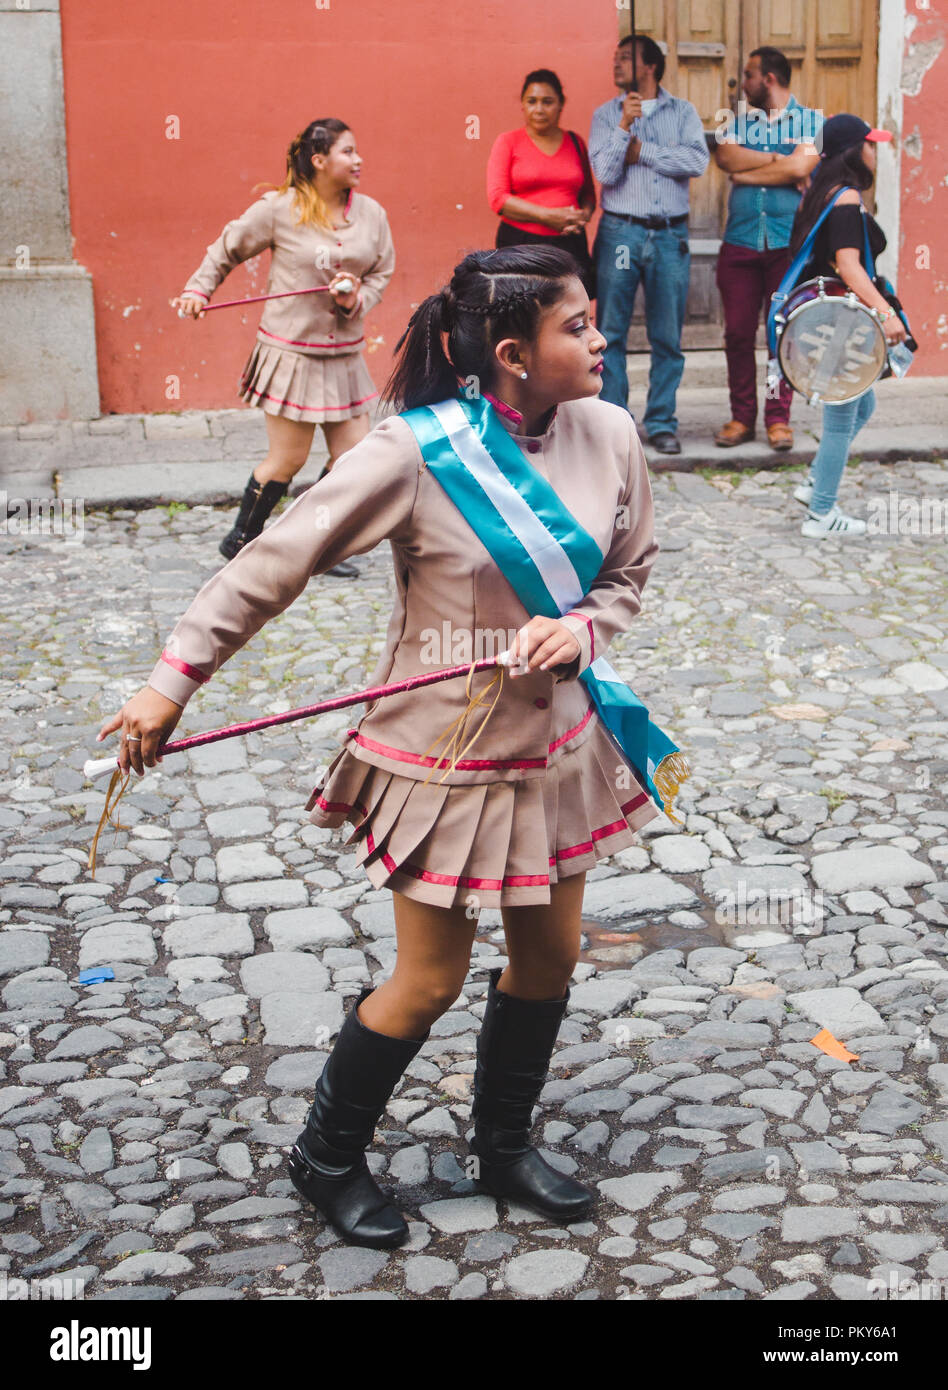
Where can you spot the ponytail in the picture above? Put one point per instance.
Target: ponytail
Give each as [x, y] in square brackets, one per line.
[492, 295]
[423, 374]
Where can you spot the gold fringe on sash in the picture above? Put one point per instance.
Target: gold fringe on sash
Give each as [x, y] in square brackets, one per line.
[107, 811]
[673, 769]
[459, 725]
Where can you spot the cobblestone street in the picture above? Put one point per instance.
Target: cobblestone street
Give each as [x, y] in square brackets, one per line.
[145, 1120]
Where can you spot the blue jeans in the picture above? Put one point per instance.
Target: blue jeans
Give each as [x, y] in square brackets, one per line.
[841, 424]
[627, 254]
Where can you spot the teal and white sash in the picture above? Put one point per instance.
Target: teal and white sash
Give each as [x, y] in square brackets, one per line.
[548, 559]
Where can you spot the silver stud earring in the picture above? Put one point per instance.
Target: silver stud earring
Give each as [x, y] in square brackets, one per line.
[523, 376]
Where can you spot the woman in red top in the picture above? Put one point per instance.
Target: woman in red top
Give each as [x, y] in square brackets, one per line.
[539, 180]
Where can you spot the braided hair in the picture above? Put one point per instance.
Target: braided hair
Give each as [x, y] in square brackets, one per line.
[318, 138]
[492, 295]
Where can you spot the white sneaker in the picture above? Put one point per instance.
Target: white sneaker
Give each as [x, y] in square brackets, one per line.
[803, 493]
[834, 523]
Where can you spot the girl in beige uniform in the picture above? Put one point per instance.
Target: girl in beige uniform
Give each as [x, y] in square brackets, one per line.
[306, 368]
[543, 794]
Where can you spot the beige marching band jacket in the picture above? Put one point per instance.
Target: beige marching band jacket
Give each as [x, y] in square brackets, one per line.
[305, 256]
[451, 598]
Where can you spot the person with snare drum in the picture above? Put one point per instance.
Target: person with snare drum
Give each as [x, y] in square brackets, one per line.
[847, 160]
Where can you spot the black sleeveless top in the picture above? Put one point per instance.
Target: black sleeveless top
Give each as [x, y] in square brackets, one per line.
[843, 227]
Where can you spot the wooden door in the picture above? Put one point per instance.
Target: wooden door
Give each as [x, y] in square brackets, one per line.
[831, 46]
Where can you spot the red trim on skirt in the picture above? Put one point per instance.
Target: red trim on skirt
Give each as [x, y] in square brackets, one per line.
[313, 409]
[509, 880]
[402, 755]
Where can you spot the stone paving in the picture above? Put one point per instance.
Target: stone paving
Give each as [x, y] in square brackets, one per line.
[206, 456]
[145, 1120]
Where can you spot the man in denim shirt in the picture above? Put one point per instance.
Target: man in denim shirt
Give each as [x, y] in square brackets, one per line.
[768, 153]
[644, 148]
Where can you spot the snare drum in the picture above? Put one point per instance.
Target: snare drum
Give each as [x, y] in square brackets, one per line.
[830, 346]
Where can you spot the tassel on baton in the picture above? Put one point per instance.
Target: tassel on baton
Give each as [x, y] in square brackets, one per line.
[94, 767]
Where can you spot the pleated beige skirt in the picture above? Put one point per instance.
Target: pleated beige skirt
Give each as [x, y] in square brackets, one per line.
[318, 390]
[492, 844]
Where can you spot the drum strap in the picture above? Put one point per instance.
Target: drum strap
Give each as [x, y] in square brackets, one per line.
[795, 269]
[882, 284]
[884, 287]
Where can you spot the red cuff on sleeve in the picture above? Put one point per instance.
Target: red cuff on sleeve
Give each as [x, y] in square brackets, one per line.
[191, 672]
[592, 641]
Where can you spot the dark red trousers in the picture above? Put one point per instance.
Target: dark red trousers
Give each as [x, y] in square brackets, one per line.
[746, 280]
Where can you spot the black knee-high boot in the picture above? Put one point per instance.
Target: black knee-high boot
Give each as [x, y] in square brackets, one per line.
[257, 503]
[513, 1056]
[327, 1164]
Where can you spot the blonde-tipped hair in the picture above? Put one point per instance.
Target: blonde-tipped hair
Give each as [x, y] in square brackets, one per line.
[318, 138]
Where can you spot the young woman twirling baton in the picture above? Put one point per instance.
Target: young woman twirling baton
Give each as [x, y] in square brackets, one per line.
[516, 503]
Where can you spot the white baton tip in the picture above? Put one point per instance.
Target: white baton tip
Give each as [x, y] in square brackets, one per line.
[504, 659]
[344, 286]
[94, 767]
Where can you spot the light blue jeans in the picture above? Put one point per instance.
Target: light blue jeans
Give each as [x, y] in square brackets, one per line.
[628, 255]
[841, 424]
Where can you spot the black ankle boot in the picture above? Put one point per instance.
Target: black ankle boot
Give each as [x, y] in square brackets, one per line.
[257, 503]
[513, 1056]
[327, 1164]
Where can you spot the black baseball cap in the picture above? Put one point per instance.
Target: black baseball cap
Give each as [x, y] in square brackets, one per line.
[842, 132]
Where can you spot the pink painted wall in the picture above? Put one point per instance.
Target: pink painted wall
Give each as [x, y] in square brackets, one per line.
[923, 253]
[243, 79]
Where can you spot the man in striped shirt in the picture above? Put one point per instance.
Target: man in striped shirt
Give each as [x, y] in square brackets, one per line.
[644, 148]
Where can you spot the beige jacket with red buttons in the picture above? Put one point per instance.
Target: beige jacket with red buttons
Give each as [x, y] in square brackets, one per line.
[452, 602]
[305, 256]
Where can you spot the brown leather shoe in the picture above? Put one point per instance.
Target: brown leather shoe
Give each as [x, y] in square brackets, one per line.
[780, 436]
[733, 433]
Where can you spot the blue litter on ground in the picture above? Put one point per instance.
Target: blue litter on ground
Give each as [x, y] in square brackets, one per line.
[159, 879]
[96, 974]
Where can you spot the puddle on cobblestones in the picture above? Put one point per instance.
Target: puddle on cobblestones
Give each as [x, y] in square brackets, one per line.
[610, 949]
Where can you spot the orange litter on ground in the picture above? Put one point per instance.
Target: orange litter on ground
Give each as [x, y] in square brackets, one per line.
[825, 1041]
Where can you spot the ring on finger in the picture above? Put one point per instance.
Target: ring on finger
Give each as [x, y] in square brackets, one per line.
[131, 738]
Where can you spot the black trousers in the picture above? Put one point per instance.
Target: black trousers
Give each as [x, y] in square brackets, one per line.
[573, 242]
